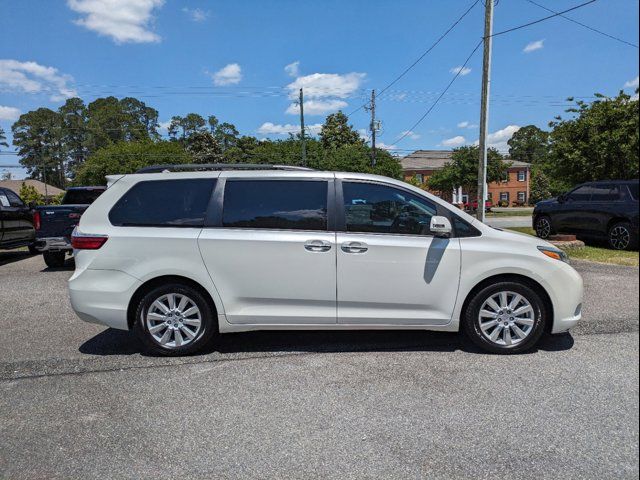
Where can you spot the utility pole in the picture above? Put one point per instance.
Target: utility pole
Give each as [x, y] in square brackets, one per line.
[372, 127]
[484, 107]
[302, 138]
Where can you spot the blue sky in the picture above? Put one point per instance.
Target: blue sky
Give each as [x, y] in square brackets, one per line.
[242, 61]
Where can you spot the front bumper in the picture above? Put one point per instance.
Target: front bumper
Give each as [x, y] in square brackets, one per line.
[53, 244]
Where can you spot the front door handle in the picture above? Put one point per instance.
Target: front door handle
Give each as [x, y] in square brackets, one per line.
[354, 247]
[317, 246]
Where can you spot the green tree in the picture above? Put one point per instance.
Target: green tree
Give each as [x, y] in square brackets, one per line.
[529, 144]
[74, 133]
[128, 157]
[462, 170]
[336, 132]
[186, 126]
[38, 134]
[3, 138]
[226, 134]
[28, 194]
[203, 147]
[599, 142]
[540, 185]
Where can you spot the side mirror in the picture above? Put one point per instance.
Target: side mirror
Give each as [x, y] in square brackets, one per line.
[440, 226]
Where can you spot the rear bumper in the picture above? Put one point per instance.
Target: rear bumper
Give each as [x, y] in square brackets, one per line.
[102, 296]
[53, 244]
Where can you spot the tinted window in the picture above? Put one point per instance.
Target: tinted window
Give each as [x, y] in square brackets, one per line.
[370, 207]
[14, 200]
[633, 188]
[164, 203]
[276, 204]
[581, 194]
[605, 193]
[81, 197]
[464, 229]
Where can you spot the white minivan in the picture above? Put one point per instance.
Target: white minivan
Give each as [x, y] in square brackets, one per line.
[183, 253]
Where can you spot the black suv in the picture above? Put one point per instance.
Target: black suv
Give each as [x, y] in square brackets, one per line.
[605, 210]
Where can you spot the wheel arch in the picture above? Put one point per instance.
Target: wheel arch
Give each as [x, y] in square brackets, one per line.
[152, 283]
[614, 220]
[502, 277]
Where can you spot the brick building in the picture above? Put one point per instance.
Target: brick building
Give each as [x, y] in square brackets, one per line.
[513, 189]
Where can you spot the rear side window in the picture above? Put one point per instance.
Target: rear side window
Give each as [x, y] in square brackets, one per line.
[633, 188]
[84, 196]
[275, 204]
[14, 200]
[605, 193]
[164, 203]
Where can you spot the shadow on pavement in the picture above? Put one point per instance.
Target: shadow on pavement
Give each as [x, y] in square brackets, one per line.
[120, 342]
[69, 264]
[13, 256]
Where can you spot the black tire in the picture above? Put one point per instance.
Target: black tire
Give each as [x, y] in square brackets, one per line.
[33, 250]
[471, 320]
[54, 259]
[621, 236]
[543, 227]
[203, 336]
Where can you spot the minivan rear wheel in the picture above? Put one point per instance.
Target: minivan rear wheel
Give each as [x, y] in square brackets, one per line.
[174, 319]
[506, 317]
[621, 236]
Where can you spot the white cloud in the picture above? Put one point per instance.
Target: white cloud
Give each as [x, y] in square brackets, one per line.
[499, 139]
[632, 83]
[269, 128]
[321, 85]
[409, 134]
[163, 127]
[533, 46]
[293, 69]
[122, 20]
[227, 75]
[467, 124]
[196, 14]
[317, 107]
[31, 77]
[454, 142]
[9, 113]
[462, 71]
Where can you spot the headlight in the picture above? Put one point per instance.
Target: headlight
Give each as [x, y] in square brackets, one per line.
[555, 253]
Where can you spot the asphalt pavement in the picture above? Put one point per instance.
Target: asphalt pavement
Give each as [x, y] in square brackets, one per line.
[81, 401]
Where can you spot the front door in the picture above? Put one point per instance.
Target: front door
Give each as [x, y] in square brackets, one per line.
[572, 217]
[391, 270]
[272, 256]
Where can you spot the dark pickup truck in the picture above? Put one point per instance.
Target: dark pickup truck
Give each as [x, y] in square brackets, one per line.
[16, 222]
[54, 223]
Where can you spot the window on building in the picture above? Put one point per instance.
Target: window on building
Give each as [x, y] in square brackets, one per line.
[522, 175]
[420, 177]
[522, 197]
[369, 207]
[504, 196]
[489, 196]
[275, 204]
[164, 203]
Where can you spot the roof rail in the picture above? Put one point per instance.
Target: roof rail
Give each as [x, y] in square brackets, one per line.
[200, 167]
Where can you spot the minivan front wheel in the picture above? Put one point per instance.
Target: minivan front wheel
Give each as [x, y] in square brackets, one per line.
[506, 317]
[543, 227]
[174, 319]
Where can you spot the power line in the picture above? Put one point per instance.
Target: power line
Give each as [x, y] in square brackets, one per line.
[557, 14]
[583, 25]
[433, 105]
[425, 53]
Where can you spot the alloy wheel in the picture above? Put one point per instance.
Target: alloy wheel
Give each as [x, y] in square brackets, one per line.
[173, 320]
[619, 237]
[543, 227]
[506, 318]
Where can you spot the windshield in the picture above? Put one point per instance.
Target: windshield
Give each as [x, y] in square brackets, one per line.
[84, 196]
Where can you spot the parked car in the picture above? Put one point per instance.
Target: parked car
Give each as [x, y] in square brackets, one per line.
[54, 223]
[181, 256]
[16, 222]
[473, 205]
[606, 210]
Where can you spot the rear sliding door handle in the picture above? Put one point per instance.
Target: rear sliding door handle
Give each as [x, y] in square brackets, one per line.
[317, 246]
[354, 247]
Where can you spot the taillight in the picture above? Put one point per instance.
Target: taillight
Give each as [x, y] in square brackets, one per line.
[87, 242]
[36, 220]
